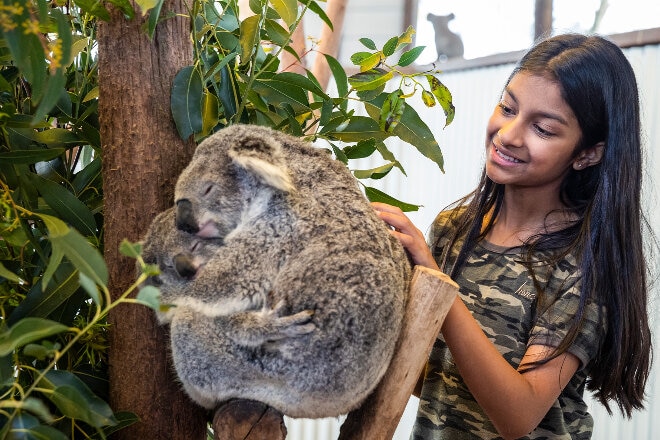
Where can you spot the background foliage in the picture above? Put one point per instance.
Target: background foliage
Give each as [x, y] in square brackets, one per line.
[53, 294]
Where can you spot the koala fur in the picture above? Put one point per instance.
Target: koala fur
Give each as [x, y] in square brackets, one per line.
[447, 43]
[287, 288]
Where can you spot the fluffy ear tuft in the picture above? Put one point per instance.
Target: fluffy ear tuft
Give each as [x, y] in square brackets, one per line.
[262, 157]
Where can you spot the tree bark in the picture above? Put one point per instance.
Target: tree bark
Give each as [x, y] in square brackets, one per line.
[142, 157]
[248, 420]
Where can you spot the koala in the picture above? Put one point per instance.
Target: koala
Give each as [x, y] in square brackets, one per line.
[447, 43]
[287, 287]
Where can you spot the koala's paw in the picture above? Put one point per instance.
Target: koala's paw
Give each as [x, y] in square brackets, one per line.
[290, 325]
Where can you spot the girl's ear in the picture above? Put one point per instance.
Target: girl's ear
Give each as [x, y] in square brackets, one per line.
[589, 156]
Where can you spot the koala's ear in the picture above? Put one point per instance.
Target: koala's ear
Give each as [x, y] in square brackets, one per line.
[263, 158]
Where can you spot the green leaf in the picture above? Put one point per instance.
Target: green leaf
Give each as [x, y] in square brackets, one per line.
[359, 128]
[375, 195]
[276, 33]
[28, 330]
[150, 297]
[249, 37]
[374, 173]
[124, 419]
[154, 16]
[91, 288]
[286, 9]
[391, 111]
[228, 93]
[318, 10]
[370, 80]
[428, 98]
[146, 5]
[406, 37]
[57, 138]
[210, 115]
[41, 301]
[53, 264]
[65, 204]
[75, 400]
[368, 43]
[280, 89]
[131, 250]
[27, 54]
[362, 149]
[371, 62]
[84, 257]
[95, 8]
[186, 102]
[443, 95]
[44, 432]
[410, 56]
[390, 46]
[339, 74]
[9, 275]
[358, 57]
[411, 129]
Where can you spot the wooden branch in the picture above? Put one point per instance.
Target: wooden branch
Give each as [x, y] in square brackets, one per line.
[248, 420]
[431, 295]
[329, 41]
[289, 63]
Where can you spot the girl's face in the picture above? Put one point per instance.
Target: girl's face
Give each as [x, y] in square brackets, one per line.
[531, 135]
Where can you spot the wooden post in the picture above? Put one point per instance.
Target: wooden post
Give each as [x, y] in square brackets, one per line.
[431, 295]
[329, 41]
[248, 420]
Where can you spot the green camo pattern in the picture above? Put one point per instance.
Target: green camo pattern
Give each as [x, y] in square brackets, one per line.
[498, 290]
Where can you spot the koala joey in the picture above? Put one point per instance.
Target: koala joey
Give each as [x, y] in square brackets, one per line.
[288, 289]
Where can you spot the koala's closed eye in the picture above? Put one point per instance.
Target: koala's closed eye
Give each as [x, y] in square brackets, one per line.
[184, 265]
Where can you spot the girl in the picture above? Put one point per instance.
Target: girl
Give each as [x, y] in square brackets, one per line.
[547, 252]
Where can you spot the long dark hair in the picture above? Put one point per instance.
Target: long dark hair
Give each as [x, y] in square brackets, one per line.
[599, 85]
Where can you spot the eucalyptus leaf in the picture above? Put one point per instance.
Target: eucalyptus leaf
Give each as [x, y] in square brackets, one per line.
[31, 156]
[371, 79]
[409, 57]
[186, 102]
[411, 129]
[443, 95]
[362, 149]
[249, 37]
[28, 330]
[128, 249]
[368, 43]
[279, 89]
[91, 288]
[9, 275]
[41, 301]
[79, 251]
[75, 400]
[374, 173]
[318, 10]
[65, 204]
[276, 33]
[57, 138]
[359, 128]
[150, 297]
[286, 9]
[376, 195]
[390, 46]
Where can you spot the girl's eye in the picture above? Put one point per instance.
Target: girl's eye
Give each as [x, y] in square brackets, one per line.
[505, 109]
[542, 131]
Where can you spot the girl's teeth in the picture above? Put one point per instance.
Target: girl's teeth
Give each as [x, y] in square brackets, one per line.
[507, 158]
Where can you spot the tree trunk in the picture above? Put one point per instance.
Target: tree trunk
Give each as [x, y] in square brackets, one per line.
[542, 18]
[329, 41]
[142, 157]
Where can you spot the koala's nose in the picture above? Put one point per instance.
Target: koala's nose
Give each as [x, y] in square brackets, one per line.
[184, 266]
[185, 218]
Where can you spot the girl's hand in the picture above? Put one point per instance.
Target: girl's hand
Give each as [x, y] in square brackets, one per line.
[410, 237]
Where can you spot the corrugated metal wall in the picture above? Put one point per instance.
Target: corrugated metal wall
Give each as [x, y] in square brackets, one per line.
[475, 92]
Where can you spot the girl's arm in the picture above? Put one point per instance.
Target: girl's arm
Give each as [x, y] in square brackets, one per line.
[515, 402]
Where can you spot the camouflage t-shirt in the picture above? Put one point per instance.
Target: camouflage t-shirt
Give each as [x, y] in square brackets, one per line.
[498, 289]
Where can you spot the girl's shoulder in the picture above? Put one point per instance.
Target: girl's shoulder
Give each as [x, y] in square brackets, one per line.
[446, 221]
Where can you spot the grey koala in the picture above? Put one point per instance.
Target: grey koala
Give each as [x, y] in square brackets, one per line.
[282, 234]
[447, 43]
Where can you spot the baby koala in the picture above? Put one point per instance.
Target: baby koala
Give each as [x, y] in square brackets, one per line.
[180, 256]
[281, 233]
